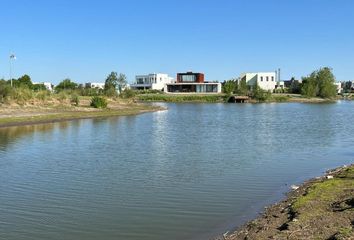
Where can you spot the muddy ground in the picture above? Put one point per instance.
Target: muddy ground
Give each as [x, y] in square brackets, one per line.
[321, 208]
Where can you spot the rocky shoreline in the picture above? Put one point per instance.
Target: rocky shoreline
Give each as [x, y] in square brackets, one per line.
[321, 208]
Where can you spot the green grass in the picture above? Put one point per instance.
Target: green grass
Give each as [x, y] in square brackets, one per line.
[322, 194]
[181, 98]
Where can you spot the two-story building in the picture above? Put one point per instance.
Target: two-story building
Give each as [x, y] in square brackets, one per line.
[265, 80]
[190, 82]
[154, 81]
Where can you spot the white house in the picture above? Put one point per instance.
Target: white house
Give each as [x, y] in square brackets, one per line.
[47, 85]
[265, 80]
[94, 85]
[154, 81]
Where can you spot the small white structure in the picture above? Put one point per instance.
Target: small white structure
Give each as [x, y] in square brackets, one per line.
[49, 86]
[339, 87]
[265, 80]
[154, 81]
[94, 85]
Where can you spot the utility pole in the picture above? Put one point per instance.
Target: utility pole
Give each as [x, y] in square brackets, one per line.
[12, 57]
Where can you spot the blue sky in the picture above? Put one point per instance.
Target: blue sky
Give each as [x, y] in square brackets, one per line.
[86, 40]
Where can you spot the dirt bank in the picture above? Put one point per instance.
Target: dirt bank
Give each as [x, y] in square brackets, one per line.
[38, 112]
[321, 208]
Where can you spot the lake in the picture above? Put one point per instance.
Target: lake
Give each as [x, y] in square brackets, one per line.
[191, 172]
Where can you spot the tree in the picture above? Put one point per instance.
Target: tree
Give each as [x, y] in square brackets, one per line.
[38, 87]
[319, 83]
[259, 94]
[229, 87]
[295, 86]
[66, 84]
[114, 83]
[24, 81]
[242, 87]
[111, 81]
[122, 82]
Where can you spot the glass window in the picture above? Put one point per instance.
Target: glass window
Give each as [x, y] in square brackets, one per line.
[261, 79]
[267, 79]
[188, 78]
[272, 79]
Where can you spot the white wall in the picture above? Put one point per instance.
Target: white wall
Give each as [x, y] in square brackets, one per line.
[154, 81]
[265, 80]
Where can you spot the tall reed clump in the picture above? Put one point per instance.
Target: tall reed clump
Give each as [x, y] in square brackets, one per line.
[21, 95]
[42, 95]
[74, 99]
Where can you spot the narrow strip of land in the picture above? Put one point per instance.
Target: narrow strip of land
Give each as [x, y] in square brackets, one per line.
[16, 115]
[321, 208]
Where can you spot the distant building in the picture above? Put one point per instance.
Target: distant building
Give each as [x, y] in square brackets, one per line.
[47, 85]
[94, 85]
[265, 80]
[154, 81]
[339, 87]
[190, 82]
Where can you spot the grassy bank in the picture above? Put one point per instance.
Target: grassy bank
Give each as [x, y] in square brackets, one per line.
[182, 98]
[219, 98]
[12, 114]
[322, 208]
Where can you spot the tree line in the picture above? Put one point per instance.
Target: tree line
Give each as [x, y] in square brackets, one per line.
[320, 83]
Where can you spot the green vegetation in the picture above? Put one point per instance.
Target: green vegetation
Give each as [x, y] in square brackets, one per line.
[75, 99]
[113, 83]
[66, 84]
[98, 102]
[319, 83]
[260, 95]
[181, 98]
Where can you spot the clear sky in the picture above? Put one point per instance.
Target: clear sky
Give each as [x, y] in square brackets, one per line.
[86, 40]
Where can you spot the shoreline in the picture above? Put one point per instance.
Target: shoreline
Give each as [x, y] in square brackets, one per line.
[57, 115]
[320, 208]
[222, 98]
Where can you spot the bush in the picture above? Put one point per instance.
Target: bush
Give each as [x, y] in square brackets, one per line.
[127, 93]
[110, 92]
[5, 91]
[98, 102]
[75, 99]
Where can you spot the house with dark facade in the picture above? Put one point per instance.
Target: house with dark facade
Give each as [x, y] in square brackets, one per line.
[190, 82]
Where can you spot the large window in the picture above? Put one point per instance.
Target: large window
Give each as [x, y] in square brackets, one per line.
[188, 78]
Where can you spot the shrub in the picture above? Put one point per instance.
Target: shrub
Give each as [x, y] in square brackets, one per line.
[75, 99]
[98, 102]
[62, 96]
[5, 91]
[110, 92]
[127, 93]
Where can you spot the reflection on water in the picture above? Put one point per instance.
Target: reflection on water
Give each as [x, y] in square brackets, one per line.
[187, 173]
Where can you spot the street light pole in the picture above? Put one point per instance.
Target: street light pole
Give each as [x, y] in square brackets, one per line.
[12, 57]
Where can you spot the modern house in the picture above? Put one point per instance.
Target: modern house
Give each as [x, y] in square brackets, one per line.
[265, 80]
[154, 81]
[190, 82]
[94, 85]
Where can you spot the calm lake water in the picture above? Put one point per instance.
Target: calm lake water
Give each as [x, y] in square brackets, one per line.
[191, 172]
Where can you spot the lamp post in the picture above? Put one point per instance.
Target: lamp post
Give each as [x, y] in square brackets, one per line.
[12, 57]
